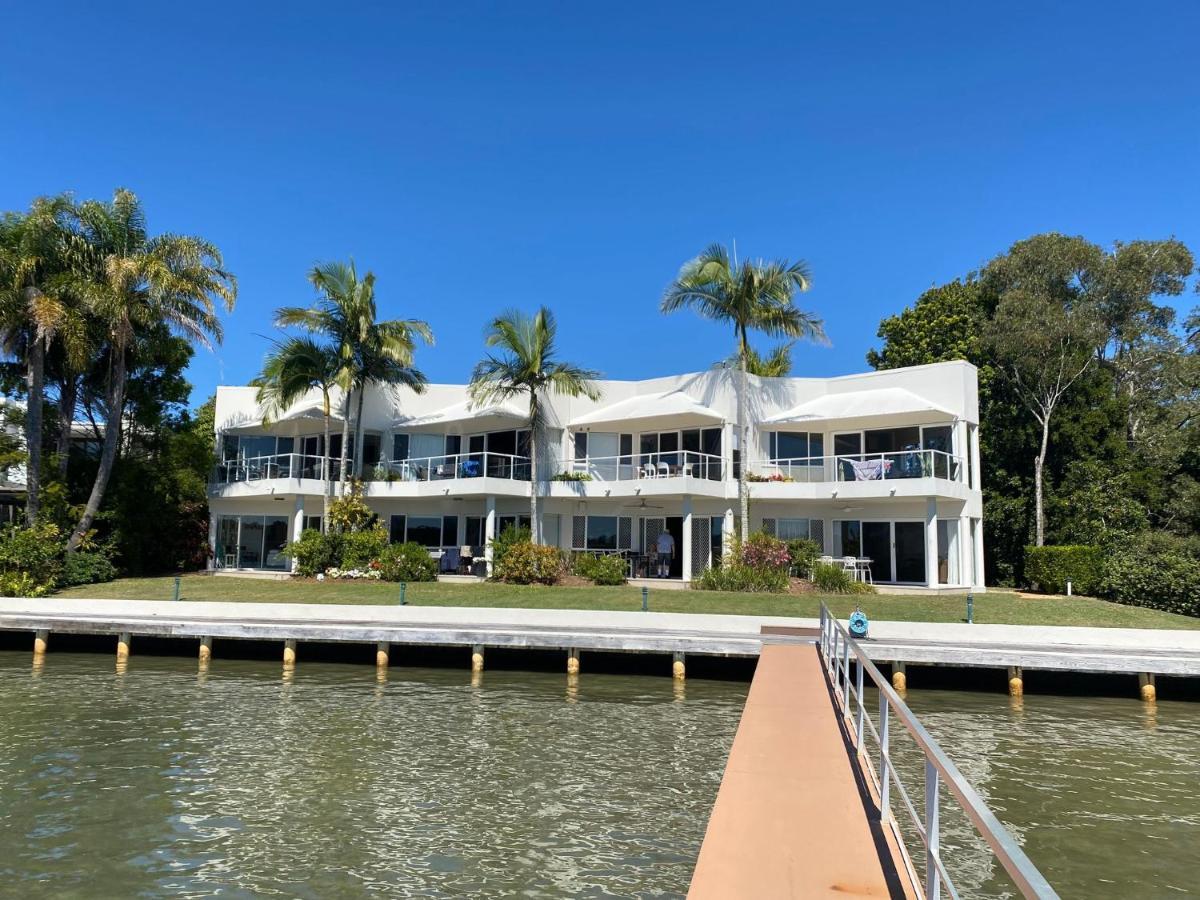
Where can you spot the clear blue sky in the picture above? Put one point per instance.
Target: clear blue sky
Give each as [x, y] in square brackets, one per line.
[481, 156]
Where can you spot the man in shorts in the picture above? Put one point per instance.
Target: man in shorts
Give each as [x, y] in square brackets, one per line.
[665, 545]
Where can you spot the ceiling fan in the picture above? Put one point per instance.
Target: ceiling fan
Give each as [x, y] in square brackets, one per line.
[643, 505]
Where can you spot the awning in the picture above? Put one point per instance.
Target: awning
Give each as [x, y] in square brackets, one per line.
[301, 416]
[882, 406]
[494, 414]
[670, 409]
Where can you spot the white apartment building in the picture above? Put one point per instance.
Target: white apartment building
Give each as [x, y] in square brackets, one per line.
[882, 467]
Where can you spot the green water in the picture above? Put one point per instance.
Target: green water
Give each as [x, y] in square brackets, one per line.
[244, 782]
[161, 782]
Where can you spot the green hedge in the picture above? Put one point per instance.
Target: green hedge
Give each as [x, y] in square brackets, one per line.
[407, 562]
[1050, 568]
[528, 563]
[1154, 569]
[833, 579]
[737, 576]
[604, 568]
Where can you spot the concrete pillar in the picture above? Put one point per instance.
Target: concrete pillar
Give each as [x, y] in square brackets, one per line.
[212, 541]
[931, 554]
[573, 661]
[41, 638]
[976, 471]
[382, 654]
[965, 552]
[1016, 681]
[685, 554]
[678, 670]
[959, 448]
[899, 676]
[205, 649]
[489, 532]
[477, 658]
[1146, 689]
[727, 534]
[289, 652]
[297, 523]
[124, 639]
[978, 551]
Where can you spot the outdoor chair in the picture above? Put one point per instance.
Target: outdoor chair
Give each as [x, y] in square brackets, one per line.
[450, 560]
[664, 471]
[850, 566]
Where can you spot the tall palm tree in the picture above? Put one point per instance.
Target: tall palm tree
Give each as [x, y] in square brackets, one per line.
[526, 366]
[775, 364]
[132, 281]
[296, 366]
[753, 296]
[368, 351]
[36, 311]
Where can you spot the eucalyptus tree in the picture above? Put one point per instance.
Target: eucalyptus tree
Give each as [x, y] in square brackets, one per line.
[295, 367]
[37, 312]
[132, 281]
[755, 295]
[524, 365]
[368, 351]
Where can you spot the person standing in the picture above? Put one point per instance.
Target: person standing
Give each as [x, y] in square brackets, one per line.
[665, 545]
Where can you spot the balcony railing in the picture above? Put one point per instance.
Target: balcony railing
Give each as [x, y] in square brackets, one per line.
[644, 466]
[450, 466]
[277, 465]
[861, 467]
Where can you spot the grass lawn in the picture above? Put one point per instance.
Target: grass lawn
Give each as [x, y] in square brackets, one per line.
[994, 607]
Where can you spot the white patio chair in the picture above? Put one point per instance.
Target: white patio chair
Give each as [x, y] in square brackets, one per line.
[850, 565]
[664, 471]
[648, 471]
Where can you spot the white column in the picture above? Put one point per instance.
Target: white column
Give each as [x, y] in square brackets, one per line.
[212, 540]
[931, 545]
[297, 523]
[960, 447]
[489, 532]
[976, 471]
[978, 578]
[727, 535]
[965, 551]
[686, 550]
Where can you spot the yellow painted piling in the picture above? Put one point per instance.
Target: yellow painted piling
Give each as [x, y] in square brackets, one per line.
[573, 661]
[40, 640]
[1146, 688]
[205, 649]
[1016, 681]
[678, 669]
[289, 652]
[382, 653]
[899, 676]
[124, 639]
[477, 658]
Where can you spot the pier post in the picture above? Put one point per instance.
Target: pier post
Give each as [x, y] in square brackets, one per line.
[1016, 681]
[289, 652]
[573, 661]
[205, 649]
[477, 658]
[899, 676]
[123, 641]
[1146, 689]
[40, 639]
[678, 670]
[382, 653]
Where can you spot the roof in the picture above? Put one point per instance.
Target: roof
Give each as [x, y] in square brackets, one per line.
[674, 407]
[865, 406]
[465, 412]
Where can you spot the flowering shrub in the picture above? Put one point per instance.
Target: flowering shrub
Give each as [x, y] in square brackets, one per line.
[407, 562]
[763, 479]
[528, 563]
[369, 573]
[761, 551]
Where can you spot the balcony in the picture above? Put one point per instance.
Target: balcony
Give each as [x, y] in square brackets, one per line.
[906, 473]
[643, 474]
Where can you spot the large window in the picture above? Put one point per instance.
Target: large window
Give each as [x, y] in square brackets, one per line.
[796, 446]
[434, 532]
[699, 449]
[252, 542]
[602, 533]
[796, 529]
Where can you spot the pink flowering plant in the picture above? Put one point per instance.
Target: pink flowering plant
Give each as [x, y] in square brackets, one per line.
[761, 551]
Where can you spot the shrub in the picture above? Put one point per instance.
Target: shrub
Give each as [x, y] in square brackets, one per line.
[86, 567]
[1050, 568]
[762, 551]
[736, 576]
[407, 562]
[528, 563]
[804, 554]
[314, 552]
[509, 537]
[604, 568]
[361, 548]
[571, 476]
[836, 580]
[30, 559]
[1155, 570]
[350, 513]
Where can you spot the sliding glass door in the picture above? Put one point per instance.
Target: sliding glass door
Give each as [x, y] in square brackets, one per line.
[877, 547]
[910, 551]
[896, 549]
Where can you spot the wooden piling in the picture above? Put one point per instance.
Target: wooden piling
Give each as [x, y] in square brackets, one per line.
[41, 638]
[289, 652]
[477, 658]
[382, 654]
[573, 661]
[678, 669]
[1146, 688]
[1016, 681]
[899, 676]
[205, 649]
[123, 641]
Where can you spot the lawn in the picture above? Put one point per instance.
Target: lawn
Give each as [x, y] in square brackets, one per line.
[994, 607]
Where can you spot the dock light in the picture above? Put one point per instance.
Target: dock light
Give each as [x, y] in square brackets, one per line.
[858, 624]
[970, 608]
[403, 591]
[645, 599]
[176, 597]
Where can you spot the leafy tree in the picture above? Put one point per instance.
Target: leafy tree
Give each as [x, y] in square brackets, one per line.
[525, 365]
[752, 296]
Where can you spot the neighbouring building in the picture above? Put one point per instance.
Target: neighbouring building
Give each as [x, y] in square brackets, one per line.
[881, 467]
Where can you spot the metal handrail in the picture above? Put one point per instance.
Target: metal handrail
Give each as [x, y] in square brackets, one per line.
[836, 648]
[638, 466]
[890, 466]
[276, 465]
[447, 466]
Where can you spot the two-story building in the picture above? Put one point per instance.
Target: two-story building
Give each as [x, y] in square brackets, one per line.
[881, 468]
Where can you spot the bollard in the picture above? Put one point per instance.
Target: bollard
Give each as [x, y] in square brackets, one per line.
[899, 677]
[645, 599]
[1146, 688]
[41, 638]
[205, 649]
[1016, 681]
[382, 654]
[403, 591]
[289, 653]
[176, 597]
[970, 608]
[573, 661]
[678, 669]
[123, 641]
[1068, 589]
[477, 658]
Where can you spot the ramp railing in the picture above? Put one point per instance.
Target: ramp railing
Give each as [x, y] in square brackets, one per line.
[848, 668]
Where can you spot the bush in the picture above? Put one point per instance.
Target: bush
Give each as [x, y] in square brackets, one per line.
[1154, 569]
[528, 563]
[509, 537]
[804, 554]
[30, 559]
[762, 551]
[407, 562]
[86, 567]
[361, 548]
[1050, 568]
[603, 568]
[350, 513]
[836, 580]
[314, 552]
[736, 576]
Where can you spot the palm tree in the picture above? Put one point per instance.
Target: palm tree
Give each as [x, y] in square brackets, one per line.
[296, 366]
[526, 366]
[36, 312]
[776, 364]
[367, 351]
[131, 282]
[753, 296]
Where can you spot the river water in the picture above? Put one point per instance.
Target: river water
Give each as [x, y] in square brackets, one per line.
[329, 782]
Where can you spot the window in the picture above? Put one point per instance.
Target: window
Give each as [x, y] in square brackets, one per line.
[312, 523]
[505, 522]
[795, 446]
[449, 531]
[396, 532]
[602, 533]
[474, 531]
[581, 446]
[791, 529]
[399, 446]
[424, 530]
[453, 444]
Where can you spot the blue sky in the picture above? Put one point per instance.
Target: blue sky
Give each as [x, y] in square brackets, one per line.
[484, 156]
